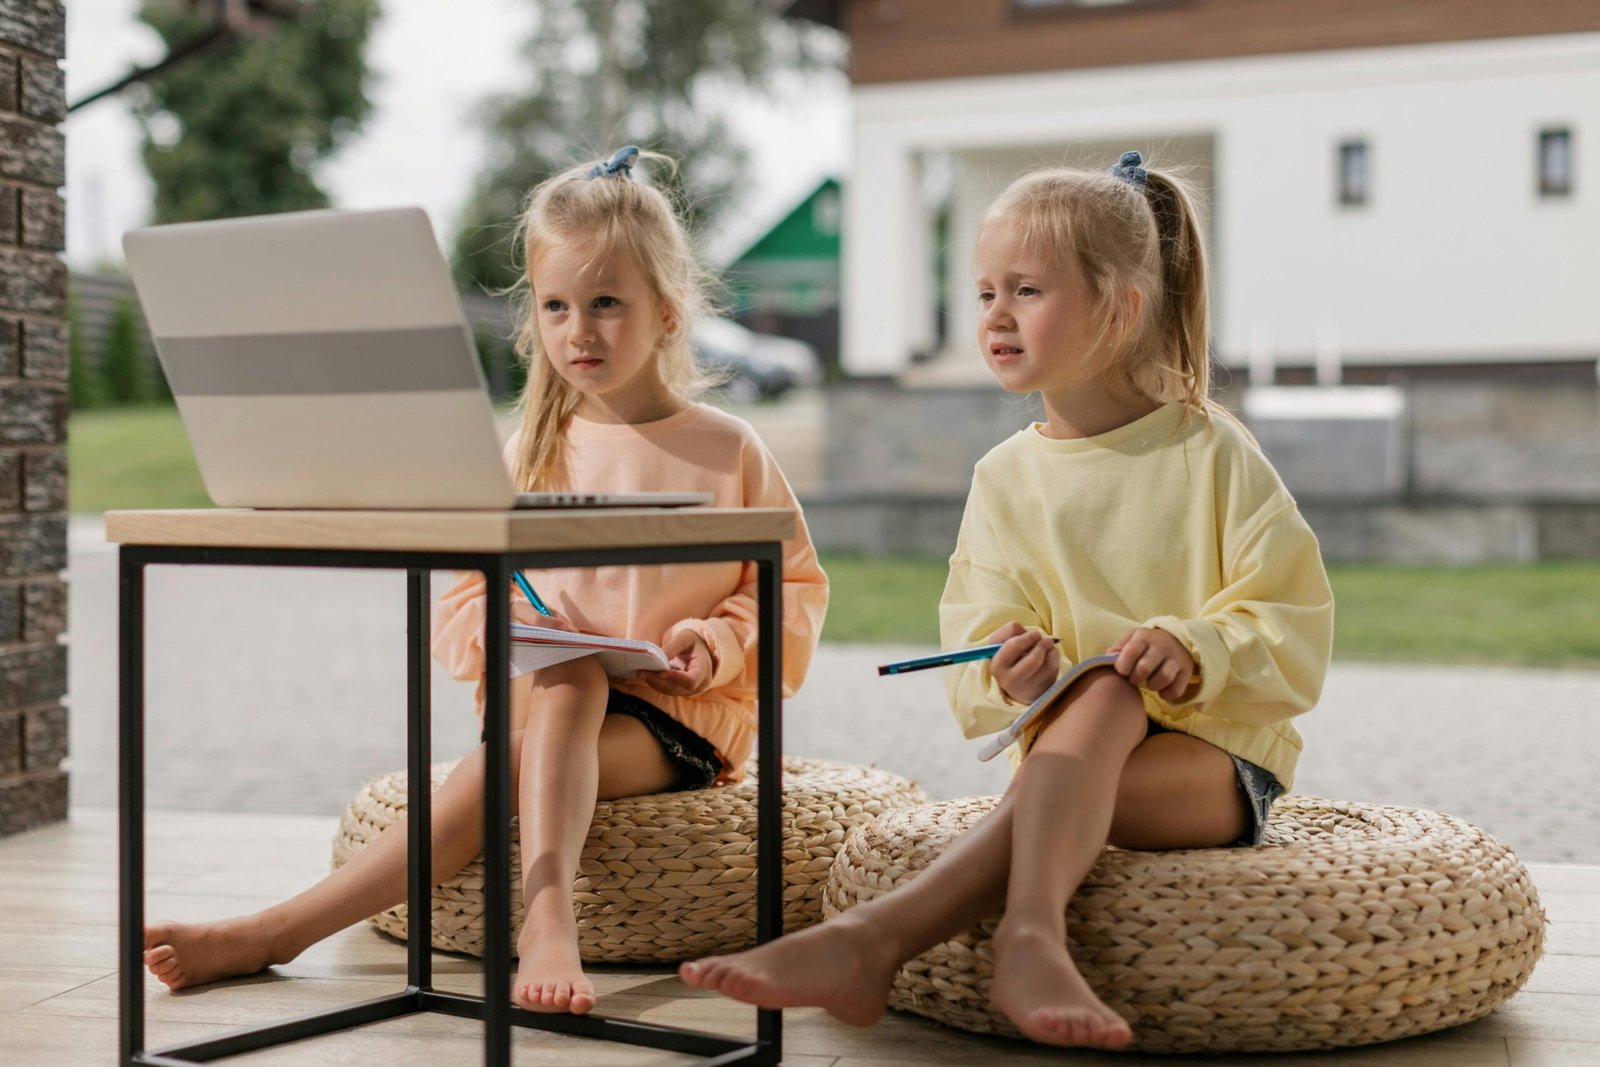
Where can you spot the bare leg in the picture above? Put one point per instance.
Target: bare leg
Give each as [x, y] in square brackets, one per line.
[182, 955]
[1174, 791]
[847, 964]
[557, 788]
[1074, 767]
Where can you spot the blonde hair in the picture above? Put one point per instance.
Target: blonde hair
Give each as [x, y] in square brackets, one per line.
[1118, 238]
[616, 216]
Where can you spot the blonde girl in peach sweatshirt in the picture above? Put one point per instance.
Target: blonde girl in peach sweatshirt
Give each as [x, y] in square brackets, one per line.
[612, 288]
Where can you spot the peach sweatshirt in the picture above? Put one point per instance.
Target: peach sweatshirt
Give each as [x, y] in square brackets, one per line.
[699, 448]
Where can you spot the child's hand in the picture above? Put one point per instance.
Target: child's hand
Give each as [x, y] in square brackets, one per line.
[525, 614]
[1027, 665]
[553, 622]
[690, 670]
[1155, 660]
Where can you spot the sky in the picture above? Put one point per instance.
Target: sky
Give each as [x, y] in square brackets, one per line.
[420, 145]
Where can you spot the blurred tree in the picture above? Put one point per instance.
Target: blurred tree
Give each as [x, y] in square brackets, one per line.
[87, 390]
[239, 128]
[502, 370]
[606, 73]
[126, 378]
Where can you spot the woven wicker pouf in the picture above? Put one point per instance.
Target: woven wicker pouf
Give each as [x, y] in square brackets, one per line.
[1353, 923]
[665, 877]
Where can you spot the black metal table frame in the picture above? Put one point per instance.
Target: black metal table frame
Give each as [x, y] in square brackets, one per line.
[496, 1011]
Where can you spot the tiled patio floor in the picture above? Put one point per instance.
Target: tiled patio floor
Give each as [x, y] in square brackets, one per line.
[58, 981]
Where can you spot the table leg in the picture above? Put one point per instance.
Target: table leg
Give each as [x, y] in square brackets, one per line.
[419, 795]
[130, 788]
[497, 817]
[769, 788]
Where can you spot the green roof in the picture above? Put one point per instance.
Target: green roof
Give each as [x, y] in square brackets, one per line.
[809, 231]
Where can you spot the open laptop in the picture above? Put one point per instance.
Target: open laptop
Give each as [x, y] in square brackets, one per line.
[321, 360]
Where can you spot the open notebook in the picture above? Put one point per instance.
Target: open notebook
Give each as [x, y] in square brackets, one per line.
[1007, 737]
[536, 647]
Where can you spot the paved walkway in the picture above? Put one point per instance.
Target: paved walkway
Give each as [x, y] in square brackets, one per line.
[279, 691]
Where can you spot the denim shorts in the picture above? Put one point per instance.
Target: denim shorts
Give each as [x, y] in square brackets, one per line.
[1259, 785]
[696, 758]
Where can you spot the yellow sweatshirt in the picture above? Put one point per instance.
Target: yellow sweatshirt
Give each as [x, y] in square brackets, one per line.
[699, 448]
[1170, 522]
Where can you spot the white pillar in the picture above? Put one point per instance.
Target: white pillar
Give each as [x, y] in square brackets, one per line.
[919, 261]
[975, 187]
[881, 218]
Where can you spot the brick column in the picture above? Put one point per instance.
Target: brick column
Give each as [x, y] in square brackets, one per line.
[33, 416]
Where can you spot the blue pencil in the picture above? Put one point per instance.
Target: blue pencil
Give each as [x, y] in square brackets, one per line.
[965, 655]
[527, 591]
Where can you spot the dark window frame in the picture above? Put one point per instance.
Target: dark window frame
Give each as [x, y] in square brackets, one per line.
[1054, 9]
[1347, 195]
[1549, 187]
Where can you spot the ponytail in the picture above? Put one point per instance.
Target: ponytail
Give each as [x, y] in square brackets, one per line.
[1184, 325]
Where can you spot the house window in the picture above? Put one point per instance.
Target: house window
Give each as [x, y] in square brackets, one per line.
[1354, 177]
[1555, 162]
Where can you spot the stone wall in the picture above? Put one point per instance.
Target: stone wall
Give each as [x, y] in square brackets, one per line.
[1462, 473]
[33, 416]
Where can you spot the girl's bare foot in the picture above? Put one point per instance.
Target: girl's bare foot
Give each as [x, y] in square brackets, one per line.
[842, 966]
[550, 974]
[1037, 987]
[184, 954]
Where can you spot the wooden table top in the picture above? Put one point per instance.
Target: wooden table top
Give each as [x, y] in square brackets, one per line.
[466, 531]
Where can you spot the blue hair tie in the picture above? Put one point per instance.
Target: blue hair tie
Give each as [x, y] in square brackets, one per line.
[621, 165]
[1130, 168]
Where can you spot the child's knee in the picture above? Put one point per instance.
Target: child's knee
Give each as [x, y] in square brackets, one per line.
[584, 673]
[1103, 695]
[1107, 686]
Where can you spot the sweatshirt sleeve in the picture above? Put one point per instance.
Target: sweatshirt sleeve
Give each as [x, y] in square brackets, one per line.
[1262, 644]
[730, 628]
[457, 637]
[979, 597]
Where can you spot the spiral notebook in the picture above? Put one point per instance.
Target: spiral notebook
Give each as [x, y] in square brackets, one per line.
[536, 647]
[1008, 737]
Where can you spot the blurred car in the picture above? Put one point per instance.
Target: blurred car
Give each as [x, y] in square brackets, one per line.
[753, 365]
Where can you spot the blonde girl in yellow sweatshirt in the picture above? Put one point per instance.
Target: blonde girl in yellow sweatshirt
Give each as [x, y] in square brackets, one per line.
[1139, 519]
[612, 290]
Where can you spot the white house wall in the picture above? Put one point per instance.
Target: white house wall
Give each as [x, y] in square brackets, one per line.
[1455, 258]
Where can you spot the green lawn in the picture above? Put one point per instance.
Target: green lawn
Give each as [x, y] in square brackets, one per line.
[131, 458]
[1546, 615]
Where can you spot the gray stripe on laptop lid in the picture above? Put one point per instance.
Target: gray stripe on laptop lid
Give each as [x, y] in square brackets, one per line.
[421, 359]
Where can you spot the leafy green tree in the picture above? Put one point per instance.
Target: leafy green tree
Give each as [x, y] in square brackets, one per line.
[606, 73]
[239, 129]
[127, 378]
[87, 390]
[501, 368]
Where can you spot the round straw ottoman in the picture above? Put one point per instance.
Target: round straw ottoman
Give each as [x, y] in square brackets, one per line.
[664, 877]
[1353, 923]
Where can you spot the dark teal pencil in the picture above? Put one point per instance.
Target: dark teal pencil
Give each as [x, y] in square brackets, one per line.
[965, 655]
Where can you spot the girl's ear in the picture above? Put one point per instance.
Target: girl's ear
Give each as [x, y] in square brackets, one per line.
[1126, 312]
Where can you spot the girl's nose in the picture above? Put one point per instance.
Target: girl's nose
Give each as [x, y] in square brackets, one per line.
[996, 315]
